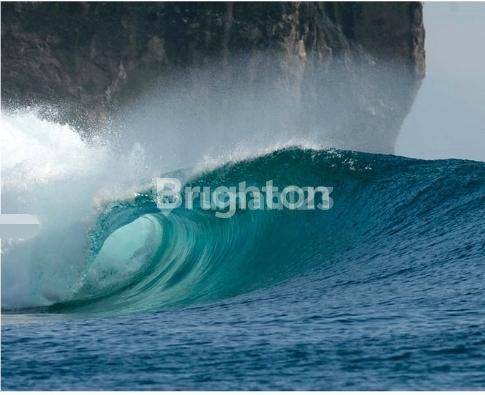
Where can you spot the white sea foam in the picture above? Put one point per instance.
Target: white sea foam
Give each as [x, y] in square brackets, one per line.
[49, 171]
[36, 151]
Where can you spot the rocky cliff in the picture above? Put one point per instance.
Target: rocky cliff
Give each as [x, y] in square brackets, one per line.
[89, 60]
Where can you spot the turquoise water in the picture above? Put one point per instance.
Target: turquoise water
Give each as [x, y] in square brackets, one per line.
[382, 291]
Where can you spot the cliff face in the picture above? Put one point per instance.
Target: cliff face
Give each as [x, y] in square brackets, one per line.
[90, 59]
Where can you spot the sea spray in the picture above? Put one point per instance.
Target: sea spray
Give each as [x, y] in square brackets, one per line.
[49, 171]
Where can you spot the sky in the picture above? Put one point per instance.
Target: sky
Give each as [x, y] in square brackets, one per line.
[447, 119]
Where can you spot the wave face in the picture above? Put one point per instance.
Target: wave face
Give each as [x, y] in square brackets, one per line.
[399, 218]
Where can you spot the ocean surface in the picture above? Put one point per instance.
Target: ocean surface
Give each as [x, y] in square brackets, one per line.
[383, 291]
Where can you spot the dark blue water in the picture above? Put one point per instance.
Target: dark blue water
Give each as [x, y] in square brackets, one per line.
[383, 291]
